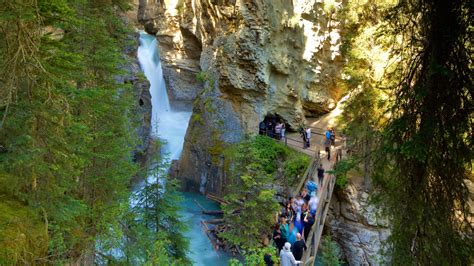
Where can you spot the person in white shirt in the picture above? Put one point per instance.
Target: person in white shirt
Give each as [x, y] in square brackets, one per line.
[286, 256]
[308, 135]
[313, 204]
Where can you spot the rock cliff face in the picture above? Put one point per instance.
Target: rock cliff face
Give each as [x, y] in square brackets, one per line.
[134, 75]
[358, 227]
[254, 58]
[241, 60]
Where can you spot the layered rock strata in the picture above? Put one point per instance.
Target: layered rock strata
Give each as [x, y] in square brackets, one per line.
[253, 58]
[358, 227]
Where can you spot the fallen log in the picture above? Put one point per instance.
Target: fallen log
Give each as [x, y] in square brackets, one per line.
[215, 221]
[209, 235]
[215, 198]
[214, 212]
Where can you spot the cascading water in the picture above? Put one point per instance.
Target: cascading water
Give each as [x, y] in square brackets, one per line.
[166, 124]
[170, 126]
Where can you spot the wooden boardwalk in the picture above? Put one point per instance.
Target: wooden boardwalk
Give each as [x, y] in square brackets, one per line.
[325, 190]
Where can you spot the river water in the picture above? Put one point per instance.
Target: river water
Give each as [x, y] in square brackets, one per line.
[170, 124]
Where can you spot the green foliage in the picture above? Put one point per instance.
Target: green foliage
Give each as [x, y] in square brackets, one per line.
[197, 118]
[340, 171]
[409, 121]
[203, 76]
[255, 257]
[67, 128]
[367, 61]
[260, 152]
[252, 167]
[295, 166]
[22, 233]
[153, 223]
[426, 151]
[330, 252]
[216, 149]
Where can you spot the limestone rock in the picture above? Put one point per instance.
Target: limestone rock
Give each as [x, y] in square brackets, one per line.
[358, 227]
[263, 56]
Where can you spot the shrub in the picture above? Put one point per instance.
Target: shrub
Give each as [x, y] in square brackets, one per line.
[341, 169]
[330, 252]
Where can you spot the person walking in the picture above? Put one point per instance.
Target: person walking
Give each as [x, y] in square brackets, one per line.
[278, 130]
[262, 128]
[328, 134]
[327, 147]
[283, 130]
[298, 223]
[270, 128]
[284, 229]
[288, 211]
[278, 238]
[308, 221]
[298, 247]
[286, 257]
[333, 137]
[304, 194]
[304, 137]
[320, 174]
[308, 136]
[313, 204]
[267, 258]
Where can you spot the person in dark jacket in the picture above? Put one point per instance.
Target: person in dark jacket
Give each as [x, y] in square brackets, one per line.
[267, 258]
[278, 238]
[308, 221]
[333, 137]
[320, 174]
[305, 195]
[270, 128]
[304, 137]
[298, 247]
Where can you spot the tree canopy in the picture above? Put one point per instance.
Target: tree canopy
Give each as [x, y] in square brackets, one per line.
[67, 133]
[420, 132]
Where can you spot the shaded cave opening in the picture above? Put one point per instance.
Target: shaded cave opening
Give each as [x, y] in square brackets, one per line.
[274, 126]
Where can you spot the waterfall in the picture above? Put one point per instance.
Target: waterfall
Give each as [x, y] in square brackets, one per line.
[170, 126]
[166, 124]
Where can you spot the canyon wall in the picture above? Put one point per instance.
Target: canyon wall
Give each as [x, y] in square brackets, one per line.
[358, 226]
[241, 60]
[252, 58]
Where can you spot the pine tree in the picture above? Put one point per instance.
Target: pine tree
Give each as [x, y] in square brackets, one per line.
[156, 222]
[251, 207]
[65, 129]
[427, 151]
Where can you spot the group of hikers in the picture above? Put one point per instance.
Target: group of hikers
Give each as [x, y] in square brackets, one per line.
[329, 140]
[295, 222]
[275, 127]
[272, 127]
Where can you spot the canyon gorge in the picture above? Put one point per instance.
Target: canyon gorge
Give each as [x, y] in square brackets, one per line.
[238, 61]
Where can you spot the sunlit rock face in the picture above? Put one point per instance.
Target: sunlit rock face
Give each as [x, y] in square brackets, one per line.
[266, 56]
[260, 57]
[180, 49]
[272, 56]
[358, 227]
